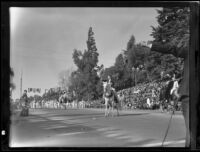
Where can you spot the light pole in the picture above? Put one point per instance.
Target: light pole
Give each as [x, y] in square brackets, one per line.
[135, 70]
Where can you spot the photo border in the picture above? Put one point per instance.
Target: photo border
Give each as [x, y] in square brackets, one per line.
[5, 63]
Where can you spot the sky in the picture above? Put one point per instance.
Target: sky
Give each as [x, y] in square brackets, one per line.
[42, 40]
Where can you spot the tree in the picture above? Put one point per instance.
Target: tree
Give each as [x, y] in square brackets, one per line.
[173, 29]
[130, 52]
[64, 79]
[85, 78]
[136, 56]
[12, 85]
[50, 95]
[173, 26]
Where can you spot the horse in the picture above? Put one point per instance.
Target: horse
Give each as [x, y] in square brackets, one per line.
[110, 99]
[168, 96]
[65, 99]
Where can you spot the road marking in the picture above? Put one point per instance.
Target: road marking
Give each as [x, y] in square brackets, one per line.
[114, 134]
[54, 127]
[165, 143]
[105, 129]
[111, 132]
[72, 133]
[124, 137]
[56, 118]
[36, 120]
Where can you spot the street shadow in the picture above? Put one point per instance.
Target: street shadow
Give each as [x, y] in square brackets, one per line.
[79, 114]
[181, 138]
[70, 128]
[139, 142]
[133, 114]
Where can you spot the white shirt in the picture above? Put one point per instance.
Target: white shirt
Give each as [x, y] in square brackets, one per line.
[148, 101]
[175, 87]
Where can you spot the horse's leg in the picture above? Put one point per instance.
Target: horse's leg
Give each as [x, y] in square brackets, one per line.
[117, 109]
[112, 108]
[108, 109]
[105, 107]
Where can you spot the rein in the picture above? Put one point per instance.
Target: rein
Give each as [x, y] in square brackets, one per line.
[169, 124]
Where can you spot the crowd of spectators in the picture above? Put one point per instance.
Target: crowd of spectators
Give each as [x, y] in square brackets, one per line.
[142, 96]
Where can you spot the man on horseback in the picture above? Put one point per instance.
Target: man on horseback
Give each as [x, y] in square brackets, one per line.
[181, 52]
[62, 100]
[110, 97]
[174, 91]
[66, 99]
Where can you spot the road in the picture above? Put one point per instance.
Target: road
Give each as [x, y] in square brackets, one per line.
[89, 128]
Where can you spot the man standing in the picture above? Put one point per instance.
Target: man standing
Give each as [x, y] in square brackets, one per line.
[24, 99]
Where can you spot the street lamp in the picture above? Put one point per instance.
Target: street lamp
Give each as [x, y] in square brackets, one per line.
[135, 70]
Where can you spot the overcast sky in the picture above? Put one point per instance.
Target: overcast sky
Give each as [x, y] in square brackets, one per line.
[43, 39]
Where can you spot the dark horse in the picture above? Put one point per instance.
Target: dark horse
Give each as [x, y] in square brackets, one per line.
[167, 100]
[65, 99]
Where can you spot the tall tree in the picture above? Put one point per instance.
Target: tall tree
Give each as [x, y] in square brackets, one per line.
[173, 29]
[86, 73]
[173, 26]
[12, 85]
[130, 52]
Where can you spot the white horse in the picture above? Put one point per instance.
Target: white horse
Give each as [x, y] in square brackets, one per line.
[109, 98]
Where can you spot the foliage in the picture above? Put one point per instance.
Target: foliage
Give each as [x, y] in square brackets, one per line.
[64, 79]
[12, 85]
[85, 79]
[173, 26]
[136, 64]
[50, 95]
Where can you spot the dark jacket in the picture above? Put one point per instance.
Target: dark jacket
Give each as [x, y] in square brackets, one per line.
[25, 97]
[177, 52]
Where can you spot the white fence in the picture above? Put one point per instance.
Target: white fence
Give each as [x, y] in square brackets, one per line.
[52, 104]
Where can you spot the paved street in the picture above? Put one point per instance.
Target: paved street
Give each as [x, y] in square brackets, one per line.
[89, 128]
